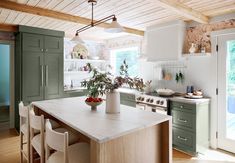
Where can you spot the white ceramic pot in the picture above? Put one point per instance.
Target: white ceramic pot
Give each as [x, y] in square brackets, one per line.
[193, 48]
[113, 102]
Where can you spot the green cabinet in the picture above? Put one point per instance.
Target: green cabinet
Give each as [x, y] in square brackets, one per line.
[38, 65]
[32, 76]
[190, 126]
[53, 44]
[42, 67]
[53, 75]
[32, 42]
[127, 99]
[74, 93]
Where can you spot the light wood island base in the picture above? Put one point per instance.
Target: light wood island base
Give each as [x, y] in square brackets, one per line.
[133, 136]
[149, 145]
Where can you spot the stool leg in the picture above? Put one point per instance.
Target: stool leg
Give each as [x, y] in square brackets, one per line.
[28, 150]
[21, 147]
[31, 154]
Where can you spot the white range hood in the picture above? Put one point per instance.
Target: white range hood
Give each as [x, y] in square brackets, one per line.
[165, 41]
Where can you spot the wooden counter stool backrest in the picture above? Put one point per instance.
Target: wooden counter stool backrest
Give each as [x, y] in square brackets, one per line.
[37, 139]
[57, 141]
[24, 131]
[65, 153]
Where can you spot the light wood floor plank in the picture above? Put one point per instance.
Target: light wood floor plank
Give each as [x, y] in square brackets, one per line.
[9, 152]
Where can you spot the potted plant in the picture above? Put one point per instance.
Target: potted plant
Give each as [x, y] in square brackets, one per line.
[105, 83]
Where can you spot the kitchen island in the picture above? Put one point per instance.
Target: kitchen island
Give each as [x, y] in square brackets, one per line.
[133, 136]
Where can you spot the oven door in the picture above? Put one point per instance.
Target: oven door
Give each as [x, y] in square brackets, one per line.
[141, 106]
[160, 110]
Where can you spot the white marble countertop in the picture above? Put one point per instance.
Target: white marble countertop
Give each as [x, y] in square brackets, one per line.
[97, 125]
[190, 101]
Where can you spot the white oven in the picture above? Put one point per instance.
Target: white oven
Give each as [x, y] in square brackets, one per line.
[152, 103]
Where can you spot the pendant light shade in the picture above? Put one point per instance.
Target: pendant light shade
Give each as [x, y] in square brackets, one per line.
[77, 39]
[114, 27]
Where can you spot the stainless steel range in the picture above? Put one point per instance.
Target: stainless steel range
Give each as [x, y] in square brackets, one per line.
[153, 103]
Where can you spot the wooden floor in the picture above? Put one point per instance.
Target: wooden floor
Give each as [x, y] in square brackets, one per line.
[9, 152]
[9, 147]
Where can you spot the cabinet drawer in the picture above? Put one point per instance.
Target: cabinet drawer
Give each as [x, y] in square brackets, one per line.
[190, 108]
[184, 140]
[128, 103]
[184, 120]
[129, 97]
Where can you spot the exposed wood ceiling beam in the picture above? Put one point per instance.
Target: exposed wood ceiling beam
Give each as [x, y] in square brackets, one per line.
[57, 15]
[183, 10]
[8, 28]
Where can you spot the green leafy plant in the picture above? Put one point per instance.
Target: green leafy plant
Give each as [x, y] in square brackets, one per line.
[179, 77]
[102, 82]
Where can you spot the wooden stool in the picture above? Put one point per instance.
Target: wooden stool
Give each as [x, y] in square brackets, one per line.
[76, 153]
[24, 131]
[37, 135]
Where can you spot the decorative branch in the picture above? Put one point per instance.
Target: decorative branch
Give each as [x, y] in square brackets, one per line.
[100, 83]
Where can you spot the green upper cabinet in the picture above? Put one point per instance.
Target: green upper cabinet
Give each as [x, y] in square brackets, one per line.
[53, 75]
[32, 79]
[32, 42]
[53, 44]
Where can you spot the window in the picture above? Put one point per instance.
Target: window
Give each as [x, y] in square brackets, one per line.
[128, 54]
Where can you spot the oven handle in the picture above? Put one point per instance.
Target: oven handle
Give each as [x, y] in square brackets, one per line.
[141, 104]
[160, 110]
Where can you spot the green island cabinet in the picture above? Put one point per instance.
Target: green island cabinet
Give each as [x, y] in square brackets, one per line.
[191, 127]
[127, 99]
[38, 65]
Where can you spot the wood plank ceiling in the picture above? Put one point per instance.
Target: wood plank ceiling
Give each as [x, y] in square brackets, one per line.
[137, 14]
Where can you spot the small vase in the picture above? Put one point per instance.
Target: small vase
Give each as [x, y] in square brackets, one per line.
[113, 102]
[193, 48]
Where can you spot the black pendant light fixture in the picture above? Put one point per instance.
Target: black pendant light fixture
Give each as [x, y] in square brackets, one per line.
[114, 27]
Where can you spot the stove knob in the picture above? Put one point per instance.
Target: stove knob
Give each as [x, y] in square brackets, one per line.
[138, 98]
[142, 99]
[148, 100]
[151, 101]
[158, 101]
[162, 102]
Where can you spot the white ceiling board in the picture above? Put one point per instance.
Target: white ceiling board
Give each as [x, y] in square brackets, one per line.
[3, 15]
[130, 13]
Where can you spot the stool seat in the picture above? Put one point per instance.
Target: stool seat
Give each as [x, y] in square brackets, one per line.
[77, 153]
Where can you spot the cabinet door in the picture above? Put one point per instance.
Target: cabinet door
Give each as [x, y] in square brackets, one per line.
[53, 44]
[32, 81]
[53, 75]
[32, 42]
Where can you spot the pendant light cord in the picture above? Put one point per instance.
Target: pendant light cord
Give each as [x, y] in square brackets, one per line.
[92, 14]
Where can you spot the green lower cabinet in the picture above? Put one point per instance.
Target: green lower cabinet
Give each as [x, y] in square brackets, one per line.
[128, 103]
[184, 140]
[127, 99]
[190, 126]
[74, 94]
